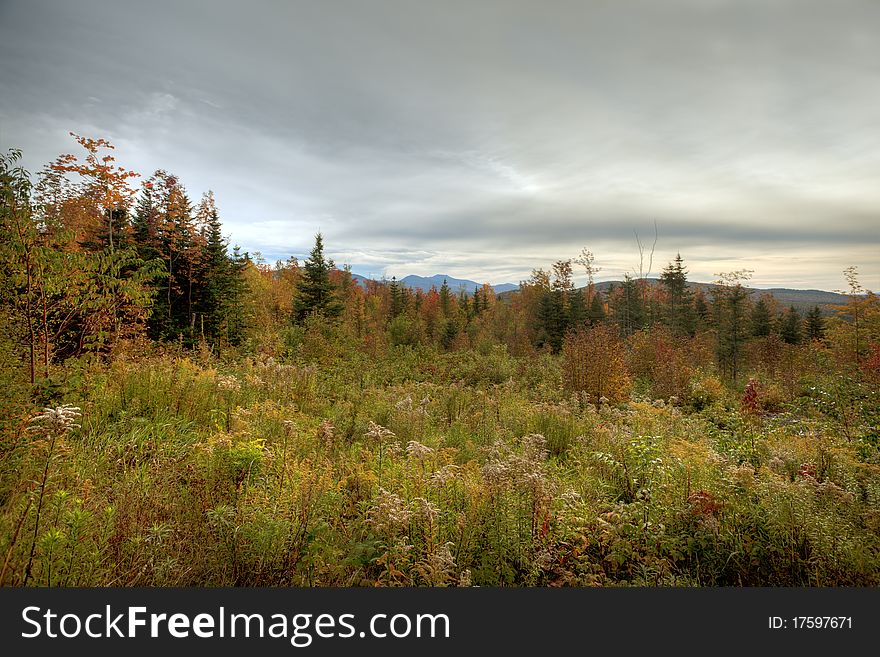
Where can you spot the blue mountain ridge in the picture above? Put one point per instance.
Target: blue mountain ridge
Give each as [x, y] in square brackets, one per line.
[425, 283]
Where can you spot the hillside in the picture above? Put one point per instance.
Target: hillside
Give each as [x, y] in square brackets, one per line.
[802, 300]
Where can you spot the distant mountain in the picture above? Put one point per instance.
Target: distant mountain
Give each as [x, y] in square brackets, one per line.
[425, 283]
[360, 280]
[802, 300]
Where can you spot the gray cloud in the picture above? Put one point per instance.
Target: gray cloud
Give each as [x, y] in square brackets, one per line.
[482, 139]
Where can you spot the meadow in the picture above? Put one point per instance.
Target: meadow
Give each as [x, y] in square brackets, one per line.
[407, 466]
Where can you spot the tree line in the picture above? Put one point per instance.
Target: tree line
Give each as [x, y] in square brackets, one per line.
[90, 262]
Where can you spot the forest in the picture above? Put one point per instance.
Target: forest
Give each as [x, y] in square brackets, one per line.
[178, 412]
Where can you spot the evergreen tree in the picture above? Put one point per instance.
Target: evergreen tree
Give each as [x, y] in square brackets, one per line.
[629, 311]
[218, 287]
[478, 302]
[578, 312]
[731, 307]
[397, 297]
[790, 326]
[315, 293]
[596, 312]
[235, 322]
[445, 299]
[761, 324]
[702, 314]
[450, 333]
[552, 319]
[163, 228]
[464, 304]
[679, 312]
[815, 324]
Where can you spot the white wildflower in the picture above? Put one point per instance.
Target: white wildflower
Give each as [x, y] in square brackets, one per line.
[55, 421]
[417, 450]
[378, 432]
[389, 513]
[228, 382]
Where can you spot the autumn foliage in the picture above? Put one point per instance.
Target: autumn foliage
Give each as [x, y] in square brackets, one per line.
[594, 365]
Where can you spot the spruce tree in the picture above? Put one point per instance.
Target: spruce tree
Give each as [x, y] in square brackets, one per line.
[398, 298]
[315, 293]
[761, 319]
[790, 326]
[679, 311]
[218, 285]
[596, 312]
[815, 324]
[629, 309]
[731, 301]
[578, 312]
[445, 299]
[702, 315]
[478, 302]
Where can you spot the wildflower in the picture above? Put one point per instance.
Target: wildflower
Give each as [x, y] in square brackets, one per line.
[438, 565]
[418, 451]
[378, 432]
[389, 513]
[444, 475]
[535, 446]
[425, 510]
[55, 421]
[326, 431]
[228, 383]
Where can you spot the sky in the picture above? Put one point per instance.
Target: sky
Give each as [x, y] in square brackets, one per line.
[482, 139]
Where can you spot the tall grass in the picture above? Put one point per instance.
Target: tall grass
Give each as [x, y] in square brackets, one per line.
[430, 469]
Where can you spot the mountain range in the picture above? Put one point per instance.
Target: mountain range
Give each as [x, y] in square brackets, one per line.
[802, 300]
[456, 285]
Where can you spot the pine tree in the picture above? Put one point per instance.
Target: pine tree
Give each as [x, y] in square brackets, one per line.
[163, 228]
[464, 304]
[815, 324]
[218, 289]
[790, 326]
[445, 299]
[397, 297]
[315, 294]
[761, 319]
[702, 314]
[552, 318]
[234, 320]
[578, 312]
[679, 311]
[478, 302]
[731, 306]
[629, 311]
[596, 312]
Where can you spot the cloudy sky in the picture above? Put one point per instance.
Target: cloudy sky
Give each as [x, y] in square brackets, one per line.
[479, 138]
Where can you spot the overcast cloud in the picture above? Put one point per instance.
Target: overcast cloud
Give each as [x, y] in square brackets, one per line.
[482, 139]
